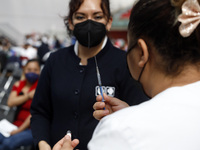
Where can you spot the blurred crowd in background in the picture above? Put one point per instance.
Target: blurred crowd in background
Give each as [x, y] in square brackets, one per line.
[37, 46]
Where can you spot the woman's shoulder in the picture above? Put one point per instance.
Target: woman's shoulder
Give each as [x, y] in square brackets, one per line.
[18, 83]
[117, 53]
[115, 49]
[62, 51]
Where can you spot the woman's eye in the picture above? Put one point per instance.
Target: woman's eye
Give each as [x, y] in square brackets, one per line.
[79, 17]
[98, 17]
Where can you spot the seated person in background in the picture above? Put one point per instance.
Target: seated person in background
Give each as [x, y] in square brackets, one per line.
[21, 96]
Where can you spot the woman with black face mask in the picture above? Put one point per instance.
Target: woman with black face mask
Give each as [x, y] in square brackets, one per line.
[21, 96]
[69, 84]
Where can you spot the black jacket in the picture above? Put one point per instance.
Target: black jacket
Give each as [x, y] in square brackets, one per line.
[67, 91]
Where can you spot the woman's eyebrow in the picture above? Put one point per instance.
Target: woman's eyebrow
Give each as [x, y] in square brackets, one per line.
[79, 13]
[82, 13]
[100, 12]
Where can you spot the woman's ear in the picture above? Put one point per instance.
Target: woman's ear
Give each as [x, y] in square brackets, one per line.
[71, 26]
[144, 52]
[109, 24]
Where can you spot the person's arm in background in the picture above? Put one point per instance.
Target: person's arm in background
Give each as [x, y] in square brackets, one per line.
[23, 127]
[41, 110]
[16, 100]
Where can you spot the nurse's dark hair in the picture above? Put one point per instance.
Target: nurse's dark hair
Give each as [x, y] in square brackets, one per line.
[74, 6]
[155, 21]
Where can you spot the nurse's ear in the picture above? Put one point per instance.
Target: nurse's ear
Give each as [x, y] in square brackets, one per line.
[109, 24]
[144, 52]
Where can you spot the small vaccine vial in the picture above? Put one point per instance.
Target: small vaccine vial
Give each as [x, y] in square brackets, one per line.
[69, 133]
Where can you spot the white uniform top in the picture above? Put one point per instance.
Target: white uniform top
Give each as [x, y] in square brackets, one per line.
[169, 121]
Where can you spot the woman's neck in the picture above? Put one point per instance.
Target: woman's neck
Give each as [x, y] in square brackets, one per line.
[161, 82]
[28, 84]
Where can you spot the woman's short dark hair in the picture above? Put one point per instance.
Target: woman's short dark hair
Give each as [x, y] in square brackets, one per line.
[156, 22]
[33, 60]
[74, 6]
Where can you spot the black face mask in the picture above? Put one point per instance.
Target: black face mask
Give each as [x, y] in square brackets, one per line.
[89, 33]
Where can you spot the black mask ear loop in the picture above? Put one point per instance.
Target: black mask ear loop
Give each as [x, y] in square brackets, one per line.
[129, 50]
[141, 72]
[143, 68]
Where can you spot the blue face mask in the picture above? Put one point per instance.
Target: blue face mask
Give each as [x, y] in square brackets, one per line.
[32, 77]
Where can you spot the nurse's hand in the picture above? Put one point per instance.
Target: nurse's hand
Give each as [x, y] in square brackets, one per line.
[66, 144]
[111, 105]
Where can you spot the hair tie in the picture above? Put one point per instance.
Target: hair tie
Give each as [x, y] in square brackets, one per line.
[190, 17]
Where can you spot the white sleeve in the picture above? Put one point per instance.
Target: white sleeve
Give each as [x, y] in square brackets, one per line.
[109, 136]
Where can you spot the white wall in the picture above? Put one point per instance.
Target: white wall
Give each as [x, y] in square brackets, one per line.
[41, 15]
[33, 15]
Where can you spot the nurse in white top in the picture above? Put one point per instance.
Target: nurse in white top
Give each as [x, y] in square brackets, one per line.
[164, 56]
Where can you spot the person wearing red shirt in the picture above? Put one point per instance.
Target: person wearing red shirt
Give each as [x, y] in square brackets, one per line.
[21, 96]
